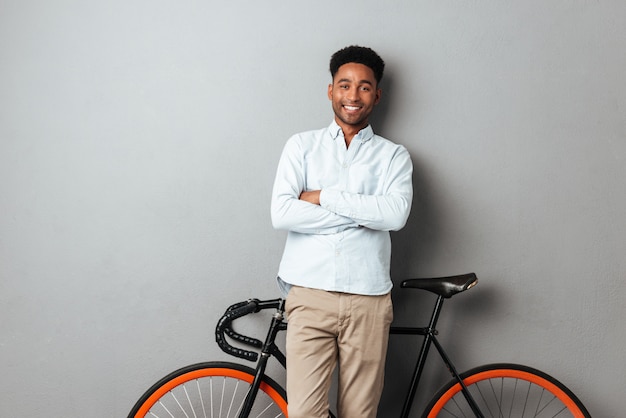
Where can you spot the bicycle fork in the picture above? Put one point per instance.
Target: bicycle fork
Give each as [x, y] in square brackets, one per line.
[269, 348]
[430, 337]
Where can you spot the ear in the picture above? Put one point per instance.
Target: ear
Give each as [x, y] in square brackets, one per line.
[330, 91]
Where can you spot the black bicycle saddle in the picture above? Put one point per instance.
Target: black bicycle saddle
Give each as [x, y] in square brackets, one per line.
[443, 286]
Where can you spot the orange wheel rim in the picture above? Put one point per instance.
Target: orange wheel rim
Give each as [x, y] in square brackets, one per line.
[517, 374]
[196, 374]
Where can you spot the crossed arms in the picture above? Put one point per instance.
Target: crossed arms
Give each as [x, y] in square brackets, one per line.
[332, 210]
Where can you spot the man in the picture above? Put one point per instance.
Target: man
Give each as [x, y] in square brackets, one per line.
[338, 191]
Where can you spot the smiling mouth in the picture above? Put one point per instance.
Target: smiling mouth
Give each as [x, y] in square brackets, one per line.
[351, 108]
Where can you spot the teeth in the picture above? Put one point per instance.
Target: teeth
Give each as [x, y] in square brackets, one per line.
[352, 107]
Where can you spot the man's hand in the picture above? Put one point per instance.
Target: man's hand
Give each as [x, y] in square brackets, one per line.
[312, 196]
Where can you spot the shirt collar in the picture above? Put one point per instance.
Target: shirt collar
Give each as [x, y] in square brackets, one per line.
[363, 135]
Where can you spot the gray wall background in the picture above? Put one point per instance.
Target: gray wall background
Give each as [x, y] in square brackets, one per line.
[138, 143]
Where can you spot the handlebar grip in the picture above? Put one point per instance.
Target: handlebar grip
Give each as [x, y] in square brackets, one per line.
[224, 327]
[253, 342]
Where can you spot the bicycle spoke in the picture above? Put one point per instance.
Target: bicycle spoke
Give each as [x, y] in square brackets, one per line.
[513, 398]
[527, 397]
[189, 402]
[211, 393]
[240, 405]
[222, 397]
[484, 399]
[497, 398]
[232, 399]
[167, 410]
[263, 411]
[201, 398]
[458, 408]
[180, 406]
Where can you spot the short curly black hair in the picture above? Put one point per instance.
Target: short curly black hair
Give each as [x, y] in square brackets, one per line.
[359, 55]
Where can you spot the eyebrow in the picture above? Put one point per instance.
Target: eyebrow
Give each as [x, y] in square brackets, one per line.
[346, 80]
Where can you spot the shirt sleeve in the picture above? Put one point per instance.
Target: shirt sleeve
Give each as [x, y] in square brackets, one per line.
[288, 211]
[386, 212]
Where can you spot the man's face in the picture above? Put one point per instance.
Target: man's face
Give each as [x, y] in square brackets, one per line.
[354, 93]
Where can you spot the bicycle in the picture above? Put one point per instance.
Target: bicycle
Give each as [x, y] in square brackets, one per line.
[225, 389]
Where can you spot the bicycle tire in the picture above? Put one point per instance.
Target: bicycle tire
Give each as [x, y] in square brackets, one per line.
[507, 390]
[209, 389]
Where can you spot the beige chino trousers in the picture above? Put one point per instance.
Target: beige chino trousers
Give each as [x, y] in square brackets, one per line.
[328, 330]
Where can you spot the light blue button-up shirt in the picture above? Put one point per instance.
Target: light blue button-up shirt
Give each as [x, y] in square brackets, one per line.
[343, 244]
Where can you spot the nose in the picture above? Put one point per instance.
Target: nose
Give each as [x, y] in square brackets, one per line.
[353, 95]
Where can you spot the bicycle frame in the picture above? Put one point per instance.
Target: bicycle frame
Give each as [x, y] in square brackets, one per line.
[269, 349]
[430, 337]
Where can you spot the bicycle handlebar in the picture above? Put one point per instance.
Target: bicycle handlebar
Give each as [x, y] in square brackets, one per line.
[224, 326]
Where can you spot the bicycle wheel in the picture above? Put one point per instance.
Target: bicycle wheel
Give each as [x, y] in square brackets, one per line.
[507, 390]
[212, 389]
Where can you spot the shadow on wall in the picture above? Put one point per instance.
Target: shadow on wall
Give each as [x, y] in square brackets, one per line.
[379, 117]
[414, 247]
